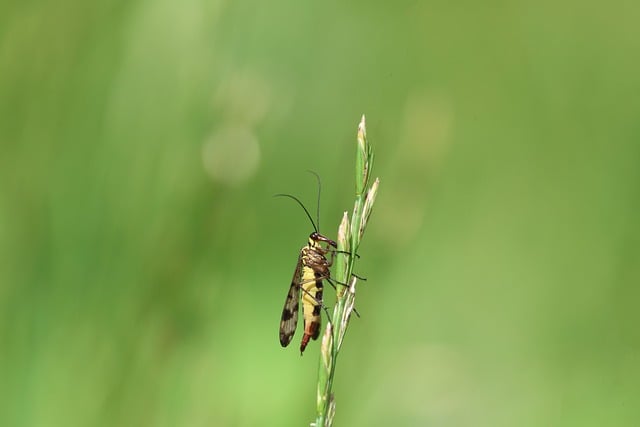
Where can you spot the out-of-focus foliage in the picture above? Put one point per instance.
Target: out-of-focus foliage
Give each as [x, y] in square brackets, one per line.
[144, 263]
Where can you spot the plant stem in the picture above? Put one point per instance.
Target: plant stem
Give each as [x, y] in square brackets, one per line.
[349, 236]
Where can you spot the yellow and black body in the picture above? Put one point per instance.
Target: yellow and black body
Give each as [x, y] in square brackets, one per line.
[311, 270]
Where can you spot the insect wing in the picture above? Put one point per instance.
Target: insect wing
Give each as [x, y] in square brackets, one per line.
[289, 318]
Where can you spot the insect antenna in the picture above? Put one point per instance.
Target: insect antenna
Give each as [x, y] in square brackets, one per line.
[302, 205]
[318, 201]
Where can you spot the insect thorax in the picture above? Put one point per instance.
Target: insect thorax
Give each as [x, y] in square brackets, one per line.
[313, 254]
[313, 257]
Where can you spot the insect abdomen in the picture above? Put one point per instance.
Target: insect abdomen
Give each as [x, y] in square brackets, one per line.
[311, 305]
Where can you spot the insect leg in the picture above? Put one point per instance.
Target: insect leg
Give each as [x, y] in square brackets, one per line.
[334, 252]
[331, 280]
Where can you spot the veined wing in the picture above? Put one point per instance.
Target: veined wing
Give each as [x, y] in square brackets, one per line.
[289, 318]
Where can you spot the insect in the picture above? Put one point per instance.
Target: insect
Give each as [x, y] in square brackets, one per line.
[312, 268]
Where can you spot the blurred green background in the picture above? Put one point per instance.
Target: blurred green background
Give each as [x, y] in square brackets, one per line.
[144, 262]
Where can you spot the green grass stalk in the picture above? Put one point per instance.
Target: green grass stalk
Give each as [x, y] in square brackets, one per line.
[350, 234]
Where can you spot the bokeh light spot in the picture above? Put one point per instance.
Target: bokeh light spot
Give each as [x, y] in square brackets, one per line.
[231, 155]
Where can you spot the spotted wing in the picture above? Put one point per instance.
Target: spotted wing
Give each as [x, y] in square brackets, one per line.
[289, 318]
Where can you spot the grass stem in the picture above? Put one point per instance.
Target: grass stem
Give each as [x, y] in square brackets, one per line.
[350, 234]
